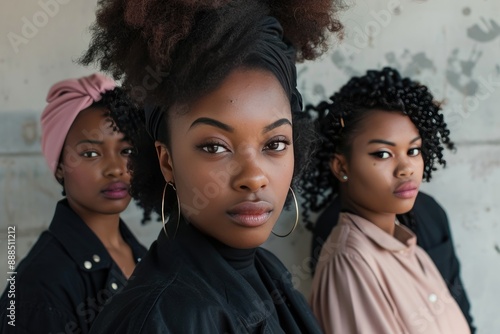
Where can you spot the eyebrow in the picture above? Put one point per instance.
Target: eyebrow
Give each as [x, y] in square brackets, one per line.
[276, 124]
[90, 141]
[97, 142]
[212, 122]
[390, 143]
[225, 127]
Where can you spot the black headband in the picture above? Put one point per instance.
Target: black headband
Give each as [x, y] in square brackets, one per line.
[274, 53]
[279, 57]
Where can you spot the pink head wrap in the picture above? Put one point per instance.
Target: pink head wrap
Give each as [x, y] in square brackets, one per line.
[65, 101]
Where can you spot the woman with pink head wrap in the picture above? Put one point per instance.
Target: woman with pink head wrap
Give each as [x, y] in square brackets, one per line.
[88, 253]
[66, 99]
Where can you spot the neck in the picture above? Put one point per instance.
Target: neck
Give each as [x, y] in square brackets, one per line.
[104, 226]
[383, 220]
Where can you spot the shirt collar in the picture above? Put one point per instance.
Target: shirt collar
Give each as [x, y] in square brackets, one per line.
[402, 240]
[82, 245]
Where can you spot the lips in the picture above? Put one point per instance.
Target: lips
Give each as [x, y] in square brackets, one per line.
[406, 190]
[250, 214]
[116, 190]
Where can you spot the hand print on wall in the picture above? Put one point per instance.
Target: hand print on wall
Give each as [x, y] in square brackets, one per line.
[343, 62]
[491, 31]
[410, 65]
[459, 72]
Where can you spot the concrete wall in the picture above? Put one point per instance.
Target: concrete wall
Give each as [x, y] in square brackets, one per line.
[452, 46]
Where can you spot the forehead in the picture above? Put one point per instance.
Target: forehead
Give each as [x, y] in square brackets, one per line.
[91, 122]
[246, 93]
[387, 124]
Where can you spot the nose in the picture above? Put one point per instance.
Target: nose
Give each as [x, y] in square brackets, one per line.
[115, 166]
[251, 176]
[405, 167]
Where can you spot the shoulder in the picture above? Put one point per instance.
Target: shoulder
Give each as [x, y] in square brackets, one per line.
[432, 226]
[48, 278]
[163, 304]
[427, 206]
[346, 240]
[270, 259]
[346, 249]
[47, 284]
[46, 264]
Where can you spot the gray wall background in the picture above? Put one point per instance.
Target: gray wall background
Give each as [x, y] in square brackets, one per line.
[451, 46]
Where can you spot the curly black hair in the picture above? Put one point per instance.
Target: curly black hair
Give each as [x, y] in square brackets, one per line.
[189, 46]
[176, 51]
[337, 120]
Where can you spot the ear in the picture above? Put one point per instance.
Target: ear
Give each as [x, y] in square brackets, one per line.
[339, 167]
[165, 159]
[59, 174]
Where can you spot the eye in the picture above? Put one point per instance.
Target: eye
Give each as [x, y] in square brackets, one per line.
[413, 152]
[214, 148]
[381, 154]
[128, 151]
[90, 154]
[277, 145]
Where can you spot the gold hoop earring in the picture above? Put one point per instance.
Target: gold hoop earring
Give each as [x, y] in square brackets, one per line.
[296, 217]
[164, 223]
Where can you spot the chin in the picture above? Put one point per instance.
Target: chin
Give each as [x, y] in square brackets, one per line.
[113, 210]
[402, 209]
[250, 240]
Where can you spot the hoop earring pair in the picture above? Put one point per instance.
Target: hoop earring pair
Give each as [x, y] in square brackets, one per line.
[296, 217]
[164, 223]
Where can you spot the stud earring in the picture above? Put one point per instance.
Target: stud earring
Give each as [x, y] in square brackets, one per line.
[344, 177]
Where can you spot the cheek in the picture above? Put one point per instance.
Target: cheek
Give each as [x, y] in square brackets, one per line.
[79, 176]
[283, 172]
[371, 175]
[198, 185]
[420, 165]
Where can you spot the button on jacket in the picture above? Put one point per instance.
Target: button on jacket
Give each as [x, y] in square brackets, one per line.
[67, 276]
[185, 285]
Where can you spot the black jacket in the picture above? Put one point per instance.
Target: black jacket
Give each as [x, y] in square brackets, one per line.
[64, 281]
[433, 235]
[184, 285]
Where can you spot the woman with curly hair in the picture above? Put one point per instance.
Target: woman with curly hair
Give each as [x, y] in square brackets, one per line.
[87, 253]
[381, 135]
[218, 146]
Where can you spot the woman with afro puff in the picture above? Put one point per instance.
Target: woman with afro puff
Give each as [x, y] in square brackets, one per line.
[381, 136]
[218, 150]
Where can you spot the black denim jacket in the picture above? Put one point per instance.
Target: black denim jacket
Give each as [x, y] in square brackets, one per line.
[184, 285]
[64, 281]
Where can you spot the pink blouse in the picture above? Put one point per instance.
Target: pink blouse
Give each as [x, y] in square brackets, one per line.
[368, 281]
